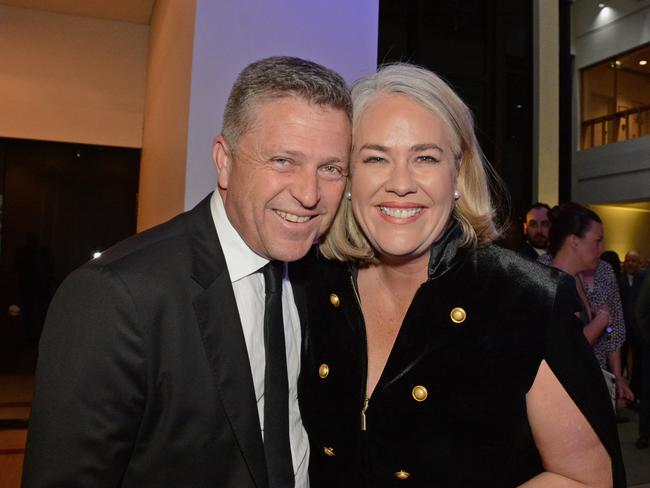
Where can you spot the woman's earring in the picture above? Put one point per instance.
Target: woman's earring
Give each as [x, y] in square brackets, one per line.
[456, 194]
[348, 195]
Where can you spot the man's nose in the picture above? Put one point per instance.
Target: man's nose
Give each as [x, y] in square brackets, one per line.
[306, 187]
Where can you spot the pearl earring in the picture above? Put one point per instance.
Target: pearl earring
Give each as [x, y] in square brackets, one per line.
[456, 194]
[348, 195]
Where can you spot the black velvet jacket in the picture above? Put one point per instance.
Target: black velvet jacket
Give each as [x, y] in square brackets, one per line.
[449, 409]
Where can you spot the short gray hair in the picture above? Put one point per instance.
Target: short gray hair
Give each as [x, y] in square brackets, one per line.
[475, 211]
[279, 77]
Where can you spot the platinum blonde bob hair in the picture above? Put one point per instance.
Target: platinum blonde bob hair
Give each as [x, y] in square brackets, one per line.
[475, 211]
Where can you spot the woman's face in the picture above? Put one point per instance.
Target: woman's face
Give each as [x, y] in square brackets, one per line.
[590, 246]
[403, 176]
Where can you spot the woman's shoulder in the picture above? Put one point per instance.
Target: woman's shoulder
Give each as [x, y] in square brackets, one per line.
[508, 263]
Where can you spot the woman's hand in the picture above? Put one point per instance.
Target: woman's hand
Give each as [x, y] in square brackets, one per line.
[623, 390]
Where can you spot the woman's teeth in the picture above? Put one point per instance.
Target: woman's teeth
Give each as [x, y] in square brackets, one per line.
[400, 213]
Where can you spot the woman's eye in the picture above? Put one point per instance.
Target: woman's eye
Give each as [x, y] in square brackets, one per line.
[373, 159]
[428, 159]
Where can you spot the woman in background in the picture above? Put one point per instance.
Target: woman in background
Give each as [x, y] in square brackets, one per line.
[430, 355]
[575, 246]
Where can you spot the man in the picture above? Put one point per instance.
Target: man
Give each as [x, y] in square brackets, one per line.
[632, 279]
[643, 322]
[536, 227]
[631, 265]
[152, 363]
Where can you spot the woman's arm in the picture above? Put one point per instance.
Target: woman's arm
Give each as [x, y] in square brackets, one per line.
[595, 328]
[571, 452]
[622, 389]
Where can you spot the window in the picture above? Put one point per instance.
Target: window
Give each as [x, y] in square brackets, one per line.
[616, 99]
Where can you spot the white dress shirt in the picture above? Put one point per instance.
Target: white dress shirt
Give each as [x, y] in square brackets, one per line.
[248, 284]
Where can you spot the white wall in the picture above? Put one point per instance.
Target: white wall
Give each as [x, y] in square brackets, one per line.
[71, 79]
[601, 33]
[164, 147]
[546, 103]
[340, 34]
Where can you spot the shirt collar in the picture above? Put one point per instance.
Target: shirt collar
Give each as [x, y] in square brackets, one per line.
[240, 259]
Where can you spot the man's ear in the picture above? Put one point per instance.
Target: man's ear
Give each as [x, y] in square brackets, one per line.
[222, 157]
[574, 241]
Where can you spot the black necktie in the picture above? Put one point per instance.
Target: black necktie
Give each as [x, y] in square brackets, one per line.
[277, 448]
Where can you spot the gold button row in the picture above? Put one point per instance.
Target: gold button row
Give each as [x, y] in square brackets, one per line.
[457, 314]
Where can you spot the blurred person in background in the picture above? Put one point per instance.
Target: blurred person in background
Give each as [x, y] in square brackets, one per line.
[632, 277]
[536, 227]
[643, 322]
[575, 246]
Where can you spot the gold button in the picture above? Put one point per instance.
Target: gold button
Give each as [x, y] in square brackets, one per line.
[419, 393]
[334, 299]
[458, 315]
[323, 371]
[329, 451]
[402, 475]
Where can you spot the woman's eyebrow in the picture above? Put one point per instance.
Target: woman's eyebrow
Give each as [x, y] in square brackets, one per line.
[426, 147]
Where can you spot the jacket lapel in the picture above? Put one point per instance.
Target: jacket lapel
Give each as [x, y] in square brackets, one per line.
[223, 339]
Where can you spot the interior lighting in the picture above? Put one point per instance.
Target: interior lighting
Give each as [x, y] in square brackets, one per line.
[618, 63]
[643, 62]
[96, 254]
[601, 5]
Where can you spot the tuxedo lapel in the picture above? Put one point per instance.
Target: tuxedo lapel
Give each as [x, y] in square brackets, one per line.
[223, 339]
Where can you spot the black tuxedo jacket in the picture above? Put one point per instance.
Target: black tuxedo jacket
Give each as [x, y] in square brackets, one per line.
[143, 376]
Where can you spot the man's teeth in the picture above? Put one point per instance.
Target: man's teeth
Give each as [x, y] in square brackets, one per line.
[293, 218]
[400, 213]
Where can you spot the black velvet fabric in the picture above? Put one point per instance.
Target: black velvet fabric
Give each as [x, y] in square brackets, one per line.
[472, 429]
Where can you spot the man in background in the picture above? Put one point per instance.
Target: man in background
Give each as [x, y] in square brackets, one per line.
[643, 322]
[536, 227]
[158, 366]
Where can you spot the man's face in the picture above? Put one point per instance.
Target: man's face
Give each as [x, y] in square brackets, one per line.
[632, 262]
[536, 227]
[282, 182]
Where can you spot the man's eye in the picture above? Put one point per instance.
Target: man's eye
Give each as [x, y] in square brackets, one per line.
[332, 171]
[281, 162]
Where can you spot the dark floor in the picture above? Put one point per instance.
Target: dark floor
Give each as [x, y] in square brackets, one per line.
[637, 461]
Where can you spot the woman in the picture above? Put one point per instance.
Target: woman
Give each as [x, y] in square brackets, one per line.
[430, 356]
[575, 246]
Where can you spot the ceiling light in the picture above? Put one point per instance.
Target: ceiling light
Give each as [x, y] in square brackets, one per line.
[601, 5]
[618, 63]
[643, 62]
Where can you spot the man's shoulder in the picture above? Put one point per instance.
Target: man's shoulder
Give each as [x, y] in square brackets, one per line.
[165, 243]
